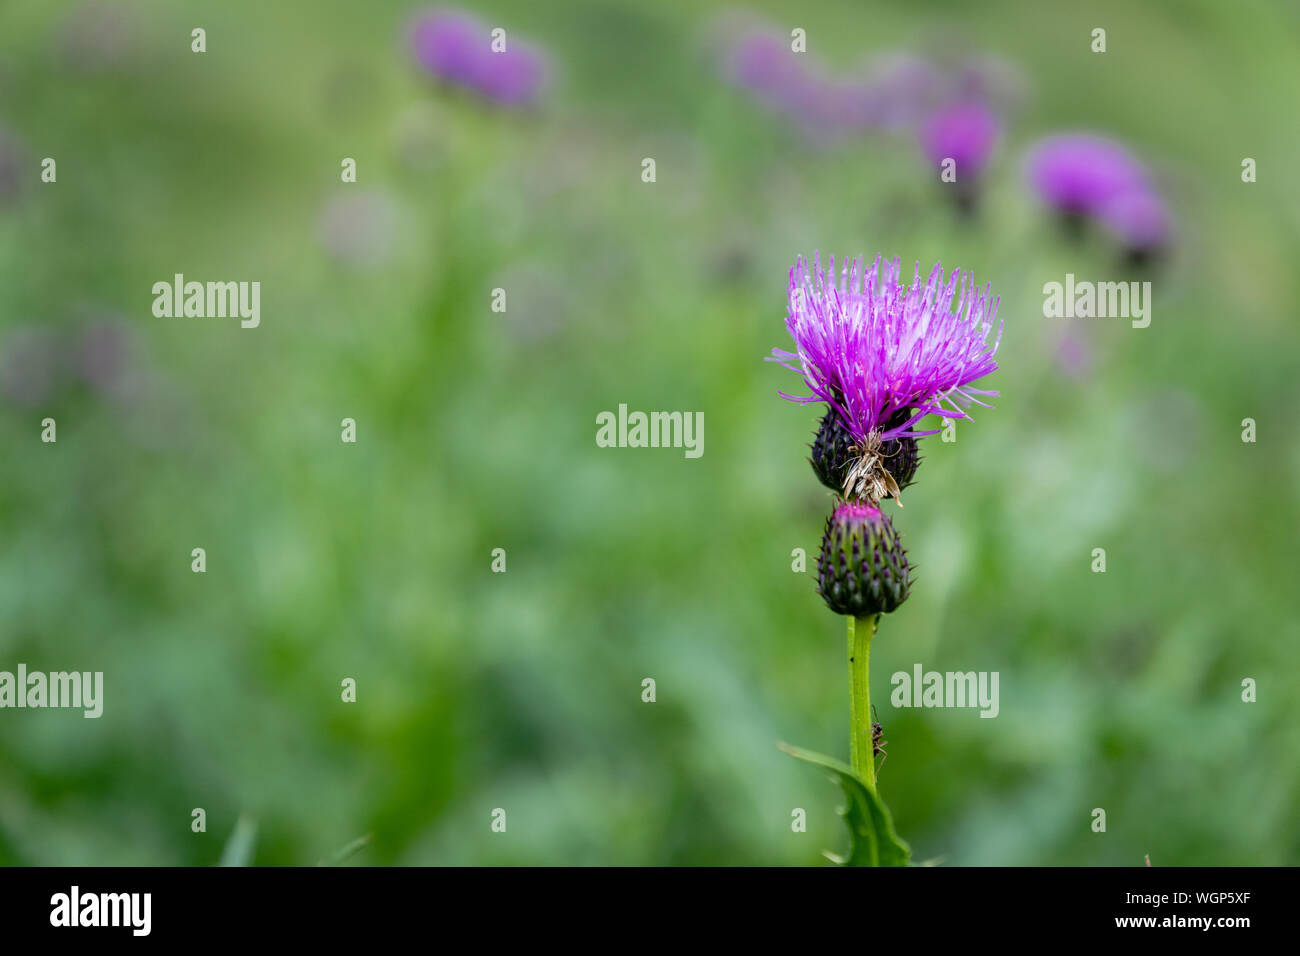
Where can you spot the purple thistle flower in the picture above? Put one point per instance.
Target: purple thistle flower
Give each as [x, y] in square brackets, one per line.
[1079, 173]
[884, 354]
[457, 49]
[965, 132]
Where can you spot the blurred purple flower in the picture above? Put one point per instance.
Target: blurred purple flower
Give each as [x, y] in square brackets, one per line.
[457, 48]
[1079, 173]
[874, 348]
[1138, 218]
[965, 132]
[513, 77]
[896, 90]
[449, 45]
[762, 63]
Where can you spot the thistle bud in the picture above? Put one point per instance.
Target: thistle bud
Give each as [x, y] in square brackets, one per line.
[862, 568]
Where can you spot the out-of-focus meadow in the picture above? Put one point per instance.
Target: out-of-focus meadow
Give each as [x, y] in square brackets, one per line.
[476, 430]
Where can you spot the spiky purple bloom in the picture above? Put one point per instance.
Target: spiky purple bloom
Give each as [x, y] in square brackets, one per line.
[1079, 173]
[965, 132]
[873, 347]
[457, 49]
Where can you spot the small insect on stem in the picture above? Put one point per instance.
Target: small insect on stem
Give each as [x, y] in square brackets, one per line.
[878, 740]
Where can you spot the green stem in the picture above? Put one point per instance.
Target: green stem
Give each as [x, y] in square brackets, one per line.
[861, 751]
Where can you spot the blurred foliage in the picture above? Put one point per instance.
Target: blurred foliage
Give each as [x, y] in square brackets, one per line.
[476, 431]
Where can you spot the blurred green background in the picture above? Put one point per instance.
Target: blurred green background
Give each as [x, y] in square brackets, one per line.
[476, 431]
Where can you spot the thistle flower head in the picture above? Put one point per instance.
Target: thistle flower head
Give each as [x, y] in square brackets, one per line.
[1079, 173]
[873, 346]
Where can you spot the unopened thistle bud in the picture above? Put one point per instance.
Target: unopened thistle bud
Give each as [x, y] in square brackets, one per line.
[862, 569]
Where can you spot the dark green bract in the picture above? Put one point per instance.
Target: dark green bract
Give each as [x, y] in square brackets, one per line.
[832, 453]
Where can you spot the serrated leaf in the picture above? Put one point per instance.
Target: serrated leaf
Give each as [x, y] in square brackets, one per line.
[872, 840]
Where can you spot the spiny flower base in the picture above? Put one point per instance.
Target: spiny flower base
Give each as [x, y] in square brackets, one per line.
[862, 568]
[835, 455]
[901, 455]
[832, 452]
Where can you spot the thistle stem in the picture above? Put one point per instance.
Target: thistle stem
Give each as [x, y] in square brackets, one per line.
[861, 751]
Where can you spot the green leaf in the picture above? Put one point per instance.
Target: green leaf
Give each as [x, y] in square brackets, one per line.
[872, 840]
[239, 848]
[340, 856]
